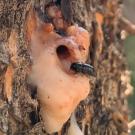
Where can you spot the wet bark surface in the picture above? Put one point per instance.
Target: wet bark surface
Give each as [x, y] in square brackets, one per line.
[104, 112]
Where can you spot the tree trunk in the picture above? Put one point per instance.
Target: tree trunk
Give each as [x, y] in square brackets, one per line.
[104, 111]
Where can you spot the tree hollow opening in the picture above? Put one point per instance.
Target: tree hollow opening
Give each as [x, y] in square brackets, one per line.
[63, 52]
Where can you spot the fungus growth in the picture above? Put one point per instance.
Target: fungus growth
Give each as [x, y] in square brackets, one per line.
[59, 89]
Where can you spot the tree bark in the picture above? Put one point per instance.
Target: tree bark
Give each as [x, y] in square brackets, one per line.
[104, 111]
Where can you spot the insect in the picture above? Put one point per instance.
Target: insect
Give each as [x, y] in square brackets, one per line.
[83, 68]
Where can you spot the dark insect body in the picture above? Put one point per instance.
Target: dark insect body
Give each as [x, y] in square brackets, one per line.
[83, 68]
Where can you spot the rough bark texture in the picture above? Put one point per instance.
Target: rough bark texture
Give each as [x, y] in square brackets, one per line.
[104, 112]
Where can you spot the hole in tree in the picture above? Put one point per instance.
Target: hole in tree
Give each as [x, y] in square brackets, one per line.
[32, 91]
[58, 2]
[34, 117]
[63, 52]
[119, 121]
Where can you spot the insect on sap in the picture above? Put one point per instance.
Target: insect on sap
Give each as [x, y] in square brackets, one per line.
[83, 68]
